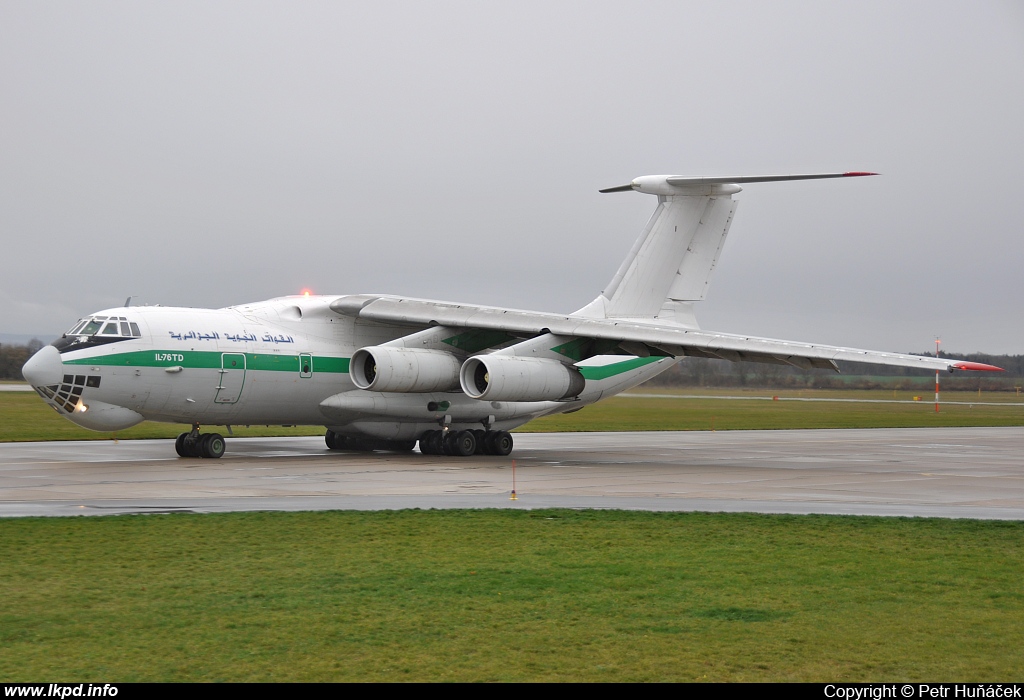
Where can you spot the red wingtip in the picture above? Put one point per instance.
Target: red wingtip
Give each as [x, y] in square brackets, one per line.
[857, 174]
[977, 367]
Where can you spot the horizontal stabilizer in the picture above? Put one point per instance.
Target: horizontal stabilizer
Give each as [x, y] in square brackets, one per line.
[743, 179]
[670, 184]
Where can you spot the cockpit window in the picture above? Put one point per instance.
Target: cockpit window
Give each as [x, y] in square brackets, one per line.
[90, 328]
[114, 325]
[97, 330]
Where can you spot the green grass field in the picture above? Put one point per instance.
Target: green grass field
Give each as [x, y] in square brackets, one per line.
[510, 596]
[679, 412]
[24, 416]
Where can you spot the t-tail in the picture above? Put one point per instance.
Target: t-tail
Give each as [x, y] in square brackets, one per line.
[670, 265]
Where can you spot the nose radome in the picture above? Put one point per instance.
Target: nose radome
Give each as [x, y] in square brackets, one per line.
[44, 368]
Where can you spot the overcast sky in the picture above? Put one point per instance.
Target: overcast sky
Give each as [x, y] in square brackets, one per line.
[207, 154]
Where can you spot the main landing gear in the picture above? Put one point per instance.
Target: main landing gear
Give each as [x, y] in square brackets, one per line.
[456, 443]
[193, 444]
[463, 443]
[338, 442]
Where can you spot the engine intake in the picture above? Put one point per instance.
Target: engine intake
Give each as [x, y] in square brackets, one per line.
[509, 378]
[404, 370]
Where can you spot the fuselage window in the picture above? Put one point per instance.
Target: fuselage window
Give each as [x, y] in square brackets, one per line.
[77, 327]
[125, 330]
[110, 329]
[135, 330]
[91, 328]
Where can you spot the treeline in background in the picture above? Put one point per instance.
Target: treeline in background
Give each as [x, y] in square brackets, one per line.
[13, 356]
[697, 372]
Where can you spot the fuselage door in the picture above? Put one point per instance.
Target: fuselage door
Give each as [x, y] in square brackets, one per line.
[231, 377]
[305, 365]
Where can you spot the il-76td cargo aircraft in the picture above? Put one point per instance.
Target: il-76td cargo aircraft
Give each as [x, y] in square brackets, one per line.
[383, 372]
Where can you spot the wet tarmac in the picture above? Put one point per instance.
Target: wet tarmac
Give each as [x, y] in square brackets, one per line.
[942, 472]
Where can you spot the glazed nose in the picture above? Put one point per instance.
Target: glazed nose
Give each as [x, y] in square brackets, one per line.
[44, 368]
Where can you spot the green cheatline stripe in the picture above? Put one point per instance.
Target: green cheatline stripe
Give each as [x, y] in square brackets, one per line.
[212, 360]
[618, 368]
[583, 348]
[288, 363]
[477, 340]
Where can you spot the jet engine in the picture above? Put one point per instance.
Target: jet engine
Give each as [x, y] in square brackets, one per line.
[509, 378]
[402, 370]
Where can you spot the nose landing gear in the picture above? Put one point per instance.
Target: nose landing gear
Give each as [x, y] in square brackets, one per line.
[192, 444]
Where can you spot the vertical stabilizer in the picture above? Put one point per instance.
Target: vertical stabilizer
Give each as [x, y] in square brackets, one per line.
[670, 265]
[674, 256]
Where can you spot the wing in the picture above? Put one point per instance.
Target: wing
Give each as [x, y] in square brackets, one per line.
[641, 339]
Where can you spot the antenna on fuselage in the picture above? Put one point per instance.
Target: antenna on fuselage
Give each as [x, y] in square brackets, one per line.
[128, 302]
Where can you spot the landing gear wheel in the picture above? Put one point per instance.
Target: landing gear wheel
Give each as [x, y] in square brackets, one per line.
[188, 445]
[433, 442]
[212, 446]
[464, 443]
[358, 444]
[425, 442]
[179, 445]
[480, 436]
[498, 443]
[503, 443]
[401, 445]
[448, 443]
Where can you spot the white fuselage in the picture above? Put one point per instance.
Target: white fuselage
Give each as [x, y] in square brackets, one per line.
[279, 362]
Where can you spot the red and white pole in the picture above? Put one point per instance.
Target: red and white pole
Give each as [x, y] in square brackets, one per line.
[937, 341]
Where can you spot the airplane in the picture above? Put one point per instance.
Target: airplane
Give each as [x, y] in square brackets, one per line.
[383, 372]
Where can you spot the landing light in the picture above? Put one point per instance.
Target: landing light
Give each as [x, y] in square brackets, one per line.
[305, 292]
[82, 408]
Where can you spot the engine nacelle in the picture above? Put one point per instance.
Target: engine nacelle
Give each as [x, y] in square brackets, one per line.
[509, 378]
[412, 370]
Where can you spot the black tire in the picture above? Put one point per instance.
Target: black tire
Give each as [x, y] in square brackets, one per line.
[502, 442]
[464, 444]
[213, 446]
[329, 439]
[359, 444]
[480, 435]
[448, 446]
[436, 442]
[401, 445]
[425, 443]
[339, 442]
[179, 445]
